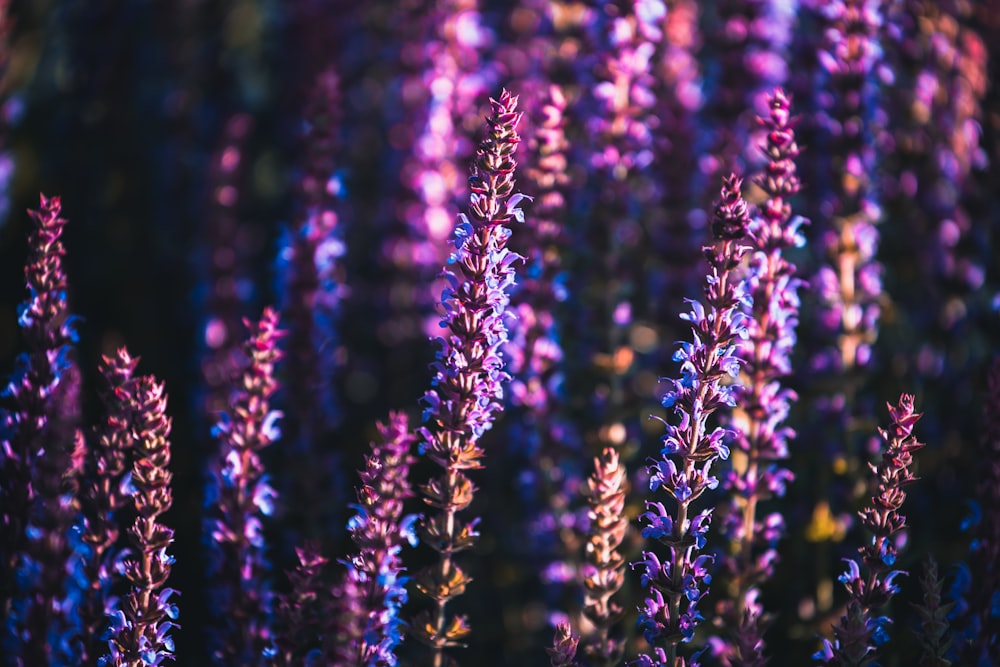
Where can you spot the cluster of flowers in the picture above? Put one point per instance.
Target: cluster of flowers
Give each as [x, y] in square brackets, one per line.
[548, 341]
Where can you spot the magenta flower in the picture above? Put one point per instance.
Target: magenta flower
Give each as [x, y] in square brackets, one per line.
[311, 262]
[849, 287]
[140, 630]
[451, 77]
[227, 284]
[677, 583]
[468, 374]
[763, 435]
[374, 589]
[313, 287]
[859, 632]
[240, 498]
[542, 432]
[105, 498]
[41, 454]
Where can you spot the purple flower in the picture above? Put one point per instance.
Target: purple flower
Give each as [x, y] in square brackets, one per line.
[312, 284]
[676, 585]
[373, 590]
[766, 353]
[468, 374]
[603, 574]
[446, 78]
[859, 632]
[241, 496]
[311, 268]
[140, 630]
[104, 498]
[41, 454]
[850, 56]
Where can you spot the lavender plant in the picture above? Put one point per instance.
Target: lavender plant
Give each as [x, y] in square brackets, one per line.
[140, 628]
[311, 267]
[676, 582]
[548, 441]
[678, 232]
[121, 111]
[239, 498]
[849, 286]
[313, 288]
[104, 501]
[611, 245]
[468, 373]
[225, 246]
[762, 442]
[41, 456]
[452, 75]
[374, 587]
[859, 632]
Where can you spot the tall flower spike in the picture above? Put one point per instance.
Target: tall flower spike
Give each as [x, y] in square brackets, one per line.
[315, 282]
[452, 76]
[467, 387]
[544, 440]
[374, 587]
[103, 500]
[38, 467]
[850, 286]
[763, 436]
[613, 258]
[858, 634]
[140, 630]
[311, 266]
[678, 136]
[226, 267]
[677, 582]
[603, 574]
[239, 499]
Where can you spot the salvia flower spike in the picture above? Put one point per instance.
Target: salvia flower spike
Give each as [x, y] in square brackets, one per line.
[140, 630]
[678, 579]
[763, 438]
[240, 500]
[467, 387]
[859, 632]
[374, 588]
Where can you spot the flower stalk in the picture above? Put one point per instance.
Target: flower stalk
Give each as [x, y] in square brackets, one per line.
[468, 374]
[140, 630]
[675, 584]
[41, 454]
[763, 437]
[104, 500]
[858, 633]
[240, 498]
[374, 587]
